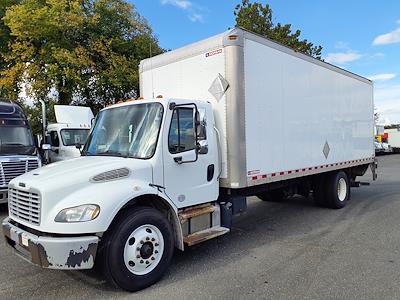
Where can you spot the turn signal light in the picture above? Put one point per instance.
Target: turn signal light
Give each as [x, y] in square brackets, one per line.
[232, 37]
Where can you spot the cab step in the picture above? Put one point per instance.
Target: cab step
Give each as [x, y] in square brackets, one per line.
[196, 212]
[204, 235]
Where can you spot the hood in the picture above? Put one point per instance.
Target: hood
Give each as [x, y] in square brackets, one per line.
[77, 173]
[100, 180]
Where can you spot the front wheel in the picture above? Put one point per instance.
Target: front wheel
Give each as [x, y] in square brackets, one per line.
[138, 249]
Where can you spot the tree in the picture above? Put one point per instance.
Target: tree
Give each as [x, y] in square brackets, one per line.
[376, 115]
[257, 18]
[5, 38]
[79, 51]
[34, 114]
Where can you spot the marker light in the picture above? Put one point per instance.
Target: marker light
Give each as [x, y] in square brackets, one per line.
[232, 37]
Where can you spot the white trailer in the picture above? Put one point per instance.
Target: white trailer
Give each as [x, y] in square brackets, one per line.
[170, 171]
[394, 139]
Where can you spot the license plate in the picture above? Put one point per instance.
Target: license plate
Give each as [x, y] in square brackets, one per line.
[24, 240]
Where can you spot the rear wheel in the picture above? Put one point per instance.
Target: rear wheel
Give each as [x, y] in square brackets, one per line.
[138, 249]
[338, 190]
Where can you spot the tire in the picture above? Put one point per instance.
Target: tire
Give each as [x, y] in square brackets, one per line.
[338, 190]
[272, 196]
[137, 250]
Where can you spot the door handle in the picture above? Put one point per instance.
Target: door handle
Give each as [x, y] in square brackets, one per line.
[210, 172]
[178, 159]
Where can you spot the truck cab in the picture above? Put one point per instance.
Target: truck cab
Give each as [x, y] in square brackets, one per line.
[69, 133]
[63, 139]
[18, 152]
[160, 155]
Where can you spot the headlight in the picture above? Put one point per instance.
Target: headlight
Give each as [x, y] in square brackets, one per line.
[81, 213]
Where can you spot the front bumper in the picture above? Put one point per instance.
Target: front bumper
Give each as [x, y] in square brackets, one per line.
[66, 253]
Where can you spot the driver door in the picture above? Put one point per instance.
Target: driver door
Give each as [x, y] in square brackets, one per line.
[190, 176]
[54, 153]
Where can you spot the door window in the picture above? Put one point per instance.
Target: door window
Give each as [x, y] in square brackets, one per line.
[54, 140]
[181, 136]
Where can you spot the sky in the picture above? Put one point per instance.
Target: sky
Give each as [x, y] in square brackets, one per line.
[362, 36]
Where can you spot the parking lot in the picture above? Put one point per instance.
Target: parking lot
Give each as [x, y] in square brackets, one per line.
[276, 250]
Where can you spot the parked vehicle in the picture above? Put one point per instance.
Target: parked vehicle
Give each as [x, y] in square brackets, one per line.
[18, 152]
[158, 174]
[69, 133]
[386, 148]
[394, 139]
[378, 147]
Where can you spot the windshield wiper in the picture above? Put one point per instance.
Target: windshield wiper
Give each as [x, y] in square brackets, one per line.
[108, 153]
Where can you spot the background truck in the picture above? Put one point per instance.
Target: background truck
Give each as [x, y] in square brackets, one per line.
[161, 173]
[18, 152]
[71, 130]
[393, 139]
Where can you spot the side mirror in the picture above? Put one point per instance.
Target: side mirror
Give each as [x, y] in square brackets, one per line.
[46, 146]
[197, 118]
[197, 121]
[202, 147]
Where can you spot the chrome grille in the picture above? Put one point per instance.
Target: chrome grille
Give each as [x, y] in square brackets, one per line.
[24, 205]
[32, 165]
[11, 169]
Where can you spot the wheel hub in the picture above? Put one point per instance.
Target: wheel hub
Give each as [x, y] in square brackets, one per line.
[143, 249]
[342, 189]
[147, 250]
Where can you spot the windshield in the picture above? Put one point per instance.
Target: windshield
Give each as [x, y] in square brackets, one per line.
[128, 131]
[16, 140]
[72, 137]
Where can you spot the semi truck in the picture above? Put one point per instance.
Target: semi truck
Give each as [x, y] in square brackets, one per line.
[170, 169]
[18, 152]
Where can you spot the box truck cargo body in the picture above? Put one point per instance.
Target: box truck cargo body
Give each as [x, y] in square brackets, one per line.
[323, 115]
[394, 139]
[233, 116]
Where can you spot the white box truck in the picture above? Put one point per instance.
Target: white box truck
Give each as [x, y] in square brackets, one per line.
[394, 139]
[167, 172]
[69, 133]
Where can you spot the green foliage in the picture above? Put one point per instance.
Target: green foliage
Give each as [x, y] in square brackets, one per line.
[376, 115]
[5, 38]
[34, 115]
[257, 18]
[79, 51]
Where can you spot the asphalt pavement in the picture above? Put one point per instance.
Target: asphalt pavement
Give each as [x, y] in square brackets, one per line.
[289, 250]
